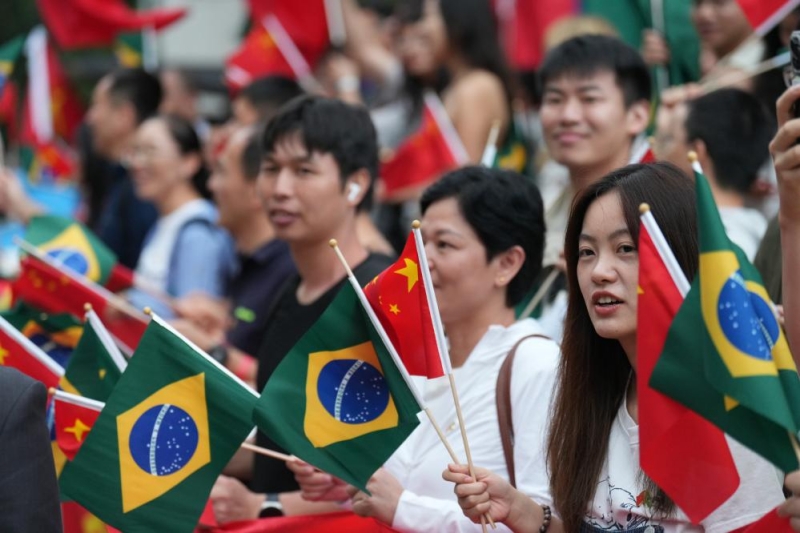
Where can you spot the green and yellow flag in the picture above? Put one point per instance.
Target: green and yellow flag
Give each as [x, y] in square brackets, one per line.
[129, 49]
[9, 53]
[96, 364]
[345, 407]
[169, 427]
[725, 356]
[57, 334]
[71, 244]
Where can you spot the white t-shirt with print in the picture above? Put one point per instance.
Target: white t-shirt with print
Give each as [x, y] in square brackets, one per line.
[615, 507]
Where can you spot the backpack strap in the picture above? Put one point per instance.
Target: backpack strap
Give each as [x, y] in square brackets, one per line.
[503, 398]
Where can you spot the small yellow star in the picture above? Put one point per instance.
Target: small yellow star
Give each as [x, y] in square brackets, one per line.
[394, 309]
[78, 429]
[410, 271]
[3, 355]
[102, 373]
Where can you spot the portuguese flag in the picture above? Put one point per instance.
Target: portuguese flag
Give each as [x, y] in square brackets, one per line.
[172, 423]
[725, 356]
[345, 406]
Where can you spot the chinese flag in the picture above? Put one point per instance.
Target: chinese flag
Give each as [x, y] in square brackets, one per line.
[523, 24]
[257, 56]
[56, 290]
[430, 152]
[305, 22]
[766, 14]
[399, 299]
[669, 433]
[16, 351]
[74, 418]
[93, 23]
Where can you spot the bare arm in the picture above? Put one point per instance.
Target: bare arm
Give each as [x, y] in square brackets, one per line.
[474, 104]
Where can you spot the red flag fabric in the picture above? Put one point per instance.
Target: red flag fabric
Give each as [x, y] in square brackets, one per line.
[523, 24]
[120, 279]
[669, 433]
[769, 523]
[257, 56]
[430, 152]
[305, 22]
[55, 290]
[92, 23]
[399, 299]
[9, 97]
[17, 351]
[74, 418]
[766, 14]
[76, 519]
[341, 521]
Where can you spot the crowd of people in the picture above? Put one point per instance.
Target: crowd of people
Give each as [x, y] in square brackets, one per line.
[227, 227]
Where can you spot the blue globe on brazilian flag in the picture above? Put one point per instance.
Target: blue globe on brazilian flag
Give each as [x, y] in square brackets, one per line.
[345, 405]
[169, 427]
[726, 357]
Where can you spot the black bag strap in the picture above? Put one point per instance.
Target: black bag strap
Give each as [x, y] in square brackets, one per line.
[503, 398]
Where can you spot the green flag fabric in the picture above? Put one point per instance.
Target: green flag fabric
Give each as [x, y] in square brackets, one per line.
[57, 334]
[345, 407]
[9, 53]
[169, 427]
[96, 364]
[726, 357]
[73, 245]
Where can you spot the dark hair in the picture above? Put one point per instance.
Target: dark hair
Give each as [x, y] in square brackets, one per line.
[736, 129]
[251, 156]
[185, 136]
[587, 55]
[270, 93]
[471, 31]
[504, 210]
[137, 87]
[593, 372]
[329, 126]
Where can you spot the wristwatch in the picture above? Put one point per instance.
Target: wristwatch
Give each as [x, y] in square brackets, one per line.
[271, 506]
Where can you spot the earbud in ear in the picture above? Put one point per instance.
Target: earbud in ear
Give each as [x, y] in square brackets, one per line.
[353, 190]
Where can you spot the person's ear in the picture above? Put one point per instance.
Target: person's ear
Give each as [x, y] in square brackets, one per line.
[638, 117]
[356, 187]
[509, 264]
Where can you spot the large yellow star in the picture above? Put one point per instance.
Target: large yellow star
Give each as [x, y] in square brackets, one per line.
[410, 271]
[3, 355]
[394, 309]
[78, 429]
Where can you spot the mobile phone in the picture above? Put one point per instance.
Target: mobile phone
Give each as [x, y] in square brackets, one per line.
[794, 66]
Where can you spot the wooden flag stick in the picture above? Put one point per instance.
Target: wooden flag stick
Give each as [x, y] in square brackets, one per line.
[543, 288]
[268, 453]
[732, 78]
[490, 151]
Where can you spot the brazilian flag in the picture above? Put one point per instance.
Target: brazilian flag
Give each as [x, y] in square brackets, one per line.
[172, 423]
[9, 53]
[129, 49]
[344, 404]
[726, 357]
[71, 244]
[96, 363]
[57, 334]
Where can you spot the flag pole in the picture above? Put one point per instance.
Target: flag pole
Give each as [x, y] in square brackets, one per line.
[390, 347]
[540, 293]
[490, 151]
[444, 352]
[267, 453]
[657, 16]
[664, 251]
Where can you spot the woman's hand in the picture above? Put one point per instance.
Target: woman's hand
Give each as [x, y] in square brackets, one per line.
[490, 493]
[786, 156]
[232, 501]
[382, 505]
[317, 486]
[655, 50]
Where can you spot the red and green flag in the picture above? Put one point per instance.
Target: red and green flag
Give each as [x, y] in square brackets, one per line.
[669, 433]
[338, 399]
[96, 364]
[399, 299]
[764, 15]
[726, 357]
[170, 426]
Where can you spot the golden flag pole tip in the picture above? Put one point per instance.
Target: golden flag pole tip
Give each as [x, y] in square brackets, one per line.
[333, 243]
[416, 224]
[692, 155]
[87, 307]
[148, 311]
[51, 391]
[644, 208]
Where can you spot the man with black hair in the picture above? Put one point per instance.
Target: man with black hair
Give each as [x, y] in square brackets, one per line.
[595, 104]
[121, 101]
[730, 130]
[319, 163]
[260, 100]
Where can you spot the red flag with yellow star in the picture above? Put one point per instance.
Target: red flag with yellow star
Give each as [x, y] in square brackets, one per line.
[17, 351]
[399, 299]
[74, 417]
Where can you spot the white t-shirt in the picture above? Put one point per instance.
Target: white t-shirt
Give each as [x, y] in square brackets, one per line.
[615, 505]
[428, 502]
[745, 227]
